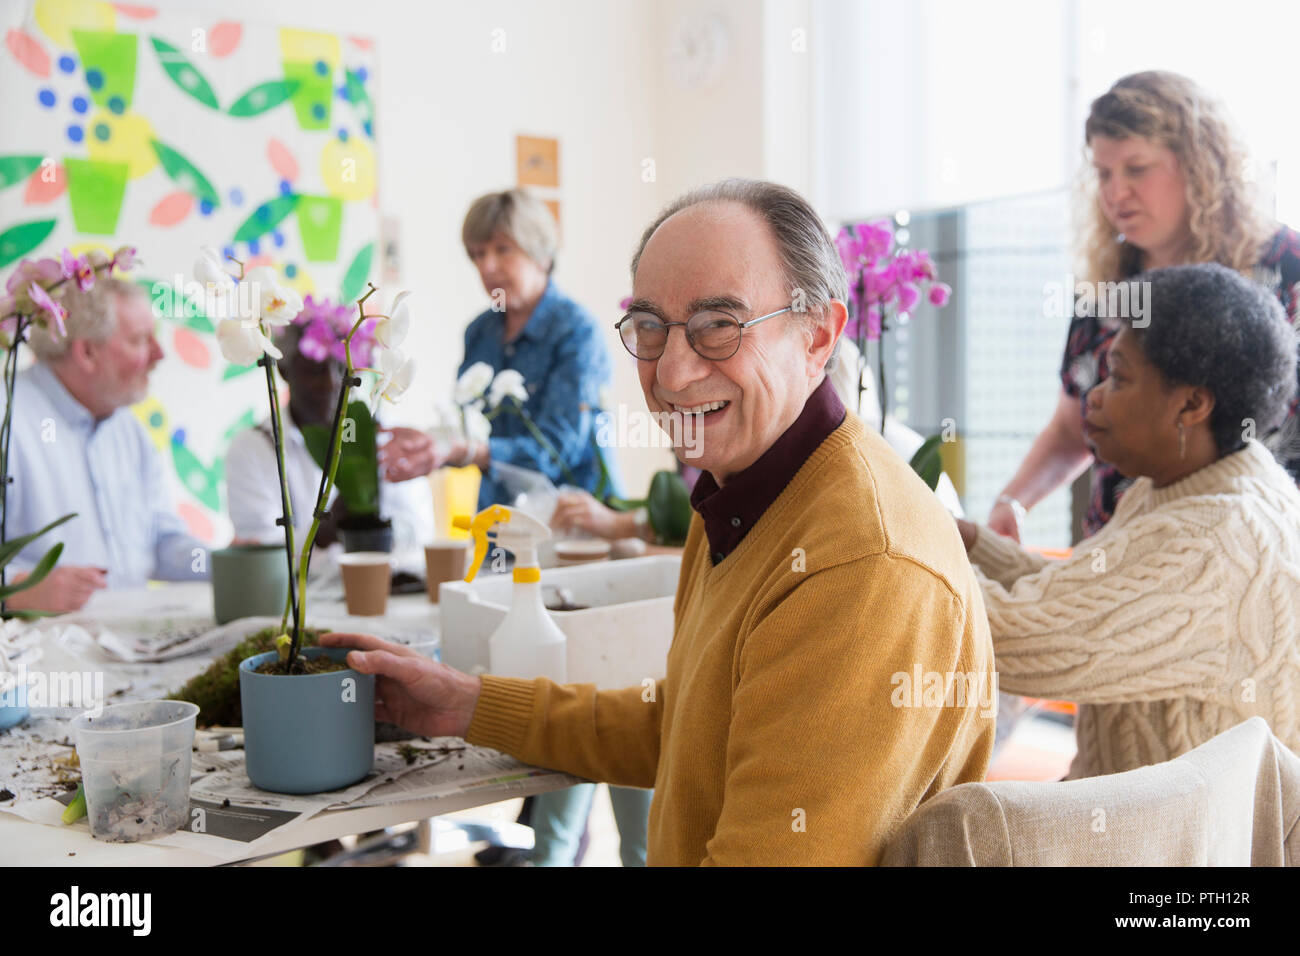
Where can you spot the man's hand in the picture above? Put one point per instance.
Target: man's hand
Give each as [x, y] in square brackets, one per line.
[968, 532]
[408, 454]
[580, 510]
[411, 690]
[1004, 520]
[66, 588]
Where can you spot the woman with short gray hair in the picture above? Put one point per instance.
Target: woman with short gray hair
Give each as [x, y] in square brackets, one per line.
[1180, 618]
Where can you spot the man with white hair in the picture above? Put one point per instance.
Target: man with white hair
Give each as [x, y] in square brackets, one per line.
[77, 448]
[825, 612]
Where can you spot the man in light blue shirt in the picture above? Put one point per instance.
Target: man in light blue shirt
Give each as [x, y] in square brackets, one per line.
[76, 447]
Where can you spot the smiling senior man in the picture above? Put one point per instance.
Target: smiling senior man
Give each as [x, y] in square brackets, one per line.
[821, 580]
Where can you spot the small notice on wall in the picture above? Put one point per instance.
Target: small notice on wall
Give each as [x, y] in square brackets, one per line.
[538, 161]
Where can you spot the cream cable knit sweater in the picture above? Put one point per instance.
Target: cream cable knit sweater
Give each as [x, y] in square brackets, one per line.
[1175, 622]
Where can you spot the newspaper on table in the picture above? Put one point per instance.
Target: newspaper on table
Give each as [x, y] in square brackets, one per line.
[230, 819]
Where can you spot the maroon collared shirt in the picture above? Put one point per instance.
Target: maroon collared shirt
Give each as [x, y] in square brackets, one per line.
[730, 511]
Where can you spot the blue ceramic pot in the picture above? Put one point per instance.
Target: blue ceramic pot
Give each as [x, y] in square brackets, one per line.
[308, 733]
[13, 706]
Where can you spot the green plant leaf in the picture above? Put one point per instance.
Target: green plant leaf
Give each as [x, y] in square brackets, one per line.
[43, 567]
[14, 169]
[184, 74]
[265, 218]
[185, 174]
[357, 477]
[354, 280]
[669, 507]
[927, 462]
[17, 241]
[263, 97]
[14, 545]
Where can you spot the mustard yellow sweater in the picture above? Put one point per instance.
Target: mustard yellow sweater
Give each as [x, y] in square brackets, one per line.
[831, 674]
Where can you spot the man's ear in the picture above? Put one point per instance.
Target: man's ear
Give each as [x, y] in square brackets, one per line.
[825, 334]
[1197, 405]
[81, 354]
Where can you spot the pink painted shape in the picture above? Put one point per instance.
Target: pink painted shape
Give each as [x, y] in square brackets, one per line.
[190, 348]
[40, 191]
[171, 209]
[261, 259]
[224, 37]
[282, 160]
[135, 12]
[28, 51]
[365, 43]
[199, 523]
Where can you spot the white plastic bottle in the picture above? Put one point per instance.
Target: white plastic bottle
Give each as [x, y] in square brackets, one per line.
[528, 643]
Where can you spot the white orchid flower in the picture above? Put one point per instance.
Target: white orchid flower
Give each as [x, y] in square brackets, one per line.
[477, 428]
[242, 344]
[210, 270]
[395, 374]
[509, 383]
[473, 383]
[391, 332]
[276, 303]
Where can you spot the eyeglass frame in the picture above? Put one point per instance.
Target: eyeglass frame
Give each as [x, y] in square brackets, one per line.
[690, 341]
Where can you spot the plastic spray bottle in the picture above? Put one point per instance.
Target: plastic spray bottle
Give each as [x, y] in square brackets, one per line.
[528, 643]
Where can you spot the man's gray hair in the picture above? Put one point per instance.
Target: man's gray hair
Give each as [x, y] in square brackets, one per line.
[808, 254]
[92, 316]
[521, 216]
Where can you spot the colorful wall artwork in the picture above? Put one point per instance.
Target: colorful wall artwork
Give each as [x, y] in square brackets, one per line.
[127, 124]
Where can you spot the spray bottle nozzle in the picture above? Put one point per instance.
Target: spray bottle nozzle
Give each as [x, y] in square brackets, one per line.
[479, 527]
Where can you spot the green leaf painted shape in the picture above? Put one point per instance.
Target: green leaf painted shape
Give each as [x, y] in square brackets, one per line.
[17, 241]
[199, 480]
[185, 174]
[263, 97]
[177, 305]
[183, 73]
[355, 278]
[265, 218]
[243, 422]
[14, 169]
[360, 101]
[234, 371]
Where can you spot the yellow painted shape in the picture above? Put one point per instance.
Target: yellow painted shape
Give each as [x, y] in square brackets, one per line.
[128, 141]
[306, 45]
[58, 18]
[348, 169]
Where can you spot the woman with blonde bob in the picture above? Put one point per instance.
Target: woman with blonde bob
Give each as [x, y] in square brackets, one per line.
[1166, 186]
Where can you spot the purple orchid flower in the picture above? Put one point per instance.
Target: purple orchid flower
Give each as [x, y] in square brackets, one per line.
[79, 270]
[55, 313]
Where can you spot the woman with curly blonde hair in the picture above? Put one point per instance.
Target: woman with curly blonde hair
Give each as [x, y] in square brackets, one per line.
[1166, 186]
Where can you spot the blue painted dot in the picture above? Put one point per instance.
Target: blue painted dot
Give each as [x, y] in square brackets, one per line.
[254, 247]
[205, 207]
[318, 111]
[236, 197]
[290, 271]
[67, 64]
[228, 251]
[343, 135]
[80, 104]
[277, 237]
[94, 79]
[362, 73]
[342, 93]
[368, 128]
[74, 133]
[286, 189]
[102, 132]
[178, 437]
[155, 420]
[46, 96]
[263, 213]
[117, 105]
[322, 68]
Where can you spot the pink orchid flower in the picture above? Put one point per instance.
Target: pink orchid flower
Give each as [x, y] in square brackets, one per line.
[124, 260]
[44, 271]
[54, 311]
[79, 269]
[940, 293]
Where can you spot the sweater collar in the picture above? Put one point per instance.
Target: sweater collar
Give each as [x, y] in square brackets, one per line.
[1219, 476]
[730, 511]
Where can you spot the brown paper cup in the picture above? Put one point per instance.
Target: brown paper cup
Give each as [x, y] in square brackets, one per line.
[367, 577]
[446, 560]
[581, 551]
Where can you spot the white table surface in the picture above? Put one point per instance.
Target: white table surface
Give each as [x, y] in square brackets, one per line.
[24, 843]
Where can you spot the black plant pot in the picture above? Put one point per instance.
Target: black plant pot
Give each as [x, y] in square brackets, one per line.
[366, 533]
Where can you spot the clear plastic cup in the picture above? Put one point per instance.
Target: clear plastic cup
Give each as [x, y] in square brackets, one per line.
[135, 767]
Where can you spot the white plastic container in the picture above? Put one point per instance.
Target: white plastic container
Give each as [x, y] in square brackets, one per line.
[621, 639]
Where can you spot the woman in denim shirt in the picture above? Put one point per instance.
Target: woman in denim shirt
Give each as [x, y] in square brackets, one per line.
[555, 344]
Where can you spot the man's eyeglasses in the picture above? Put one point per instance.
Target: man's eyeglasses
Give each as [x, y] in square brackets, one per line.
[713, 334]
